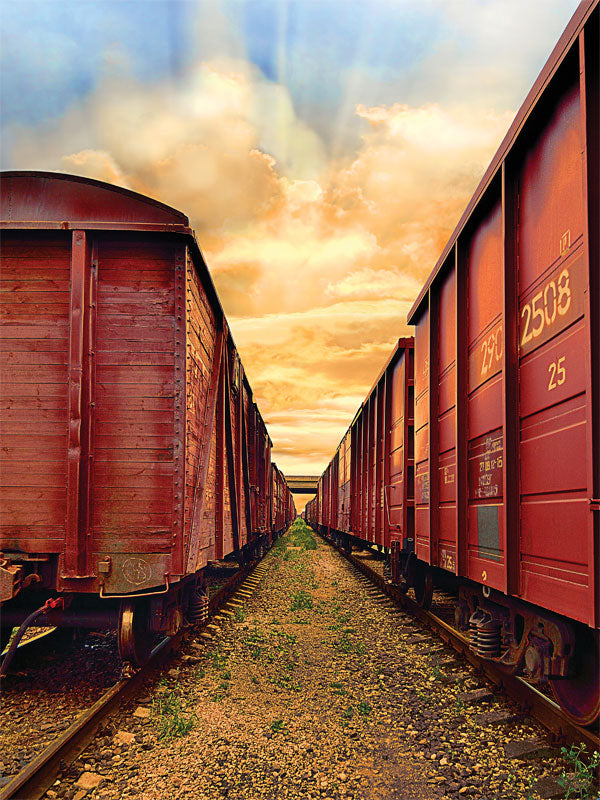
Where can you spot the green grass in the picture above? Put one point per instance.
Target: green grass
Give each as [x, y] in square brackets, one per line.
[169, 717]
[301, 600]
[581, 783]
[364, 709]
[275, 653]
[300, 535]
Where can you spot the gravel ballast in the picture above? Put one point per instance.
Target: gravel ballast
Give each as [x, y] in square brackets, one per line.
[313, 686]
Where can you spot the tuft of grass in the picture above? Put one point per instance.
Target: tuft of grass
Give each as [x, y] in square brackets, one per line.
[364, 709]
[438, 673]
[301, 600]
[347, 716]
[240, 615]
[277, 726]
[581, 783]
[169, 716]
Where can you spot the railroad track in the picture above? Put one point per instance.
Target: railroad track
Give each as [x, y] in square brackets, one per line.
[533, 702]
[34, 780]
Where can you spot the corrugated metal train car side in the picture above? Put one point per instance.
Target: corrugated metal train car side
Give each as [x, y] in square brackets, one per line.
[506, 416]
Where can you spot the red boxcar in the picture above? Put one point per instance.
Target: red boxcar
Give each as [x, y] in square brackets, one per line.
[366, 493]
[506, 412]
[506, 433]
[283, 509]
[132, 452]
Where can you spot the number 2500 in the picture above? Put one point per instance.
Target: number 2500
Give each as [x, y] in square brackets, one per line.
[556, 296]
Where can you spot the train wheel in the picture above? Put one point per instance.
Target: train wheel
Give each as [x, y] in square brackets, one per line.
[135, 639]
[579, 696]
[423, 587]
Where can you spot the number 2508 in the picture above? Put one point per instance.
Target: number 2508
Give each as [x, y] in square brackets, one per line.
[556, 297]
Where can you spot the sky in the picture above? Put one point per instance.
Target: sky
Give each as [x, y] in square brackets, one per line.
[324, 151]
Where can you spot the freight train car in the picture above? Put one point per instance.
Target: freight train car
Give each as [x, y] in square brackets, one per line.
[507, 480]
[367, 490]
[283, 510]
[132, 451]
[507, 398]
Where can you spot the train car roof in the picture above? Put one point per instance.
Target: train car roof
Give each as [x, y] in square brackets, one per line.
[31, 199]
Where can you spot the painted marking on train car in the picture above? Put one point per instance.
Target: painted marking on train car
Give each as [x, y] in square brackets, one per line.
[558, 374]
[448, 474]
[447, 560]
[552, 306]
[136, 571]
[491, 350]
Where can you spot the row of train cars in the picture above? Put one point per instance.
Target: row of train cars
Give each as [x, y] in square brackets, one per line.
[133, 455]
[474, 462]
[132, 452]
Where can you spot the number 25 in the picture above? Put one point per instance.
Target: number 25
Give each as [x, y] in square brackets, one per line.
[557, 372]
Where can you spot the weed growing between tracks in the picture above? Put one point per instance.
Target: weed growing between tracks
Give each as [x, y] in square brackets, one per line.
[168, 714]
[581, 783]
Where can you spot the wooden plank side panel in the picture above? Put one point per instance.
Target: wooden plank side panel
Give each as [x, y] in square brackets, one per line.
[34, 345]
[135, 455]
[200, 432]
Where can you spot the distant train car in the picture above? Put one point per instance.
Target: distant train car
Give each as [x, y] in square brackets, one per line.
[283, 508]
[367, 490]
[506, 401]
[132, 452]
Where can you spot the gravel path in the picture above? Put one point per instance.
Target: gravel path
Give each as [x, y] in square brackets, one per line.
[314, 687]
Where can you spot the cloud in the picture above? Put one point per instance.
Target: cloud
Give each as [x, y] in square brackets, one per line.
[316, 262]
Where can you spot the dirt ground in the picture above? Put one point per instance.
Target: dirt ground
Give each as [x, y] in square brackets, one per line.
[311, 687]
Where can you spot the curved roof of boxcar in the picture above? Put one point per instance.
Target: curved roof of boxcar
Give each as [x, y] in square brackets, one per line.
[32, 199]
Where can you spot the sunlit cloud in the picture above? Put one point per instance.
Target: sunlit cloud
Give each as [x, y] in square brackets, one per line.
[320, 213]
[315, 273]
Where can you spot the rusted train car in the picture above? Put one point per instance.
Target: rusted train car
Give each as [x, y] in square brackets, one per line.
[507, 396]
[132, 452]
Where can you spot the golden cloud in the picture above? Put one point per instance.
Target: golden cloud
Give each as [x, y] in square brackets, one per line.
[316, 263]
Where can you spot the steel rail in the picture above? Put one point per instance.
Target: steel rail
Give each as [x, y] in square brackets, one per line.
[37, 777]
[33, 641]
[531, 700]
